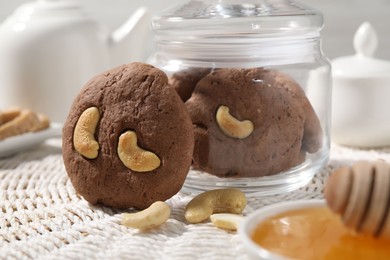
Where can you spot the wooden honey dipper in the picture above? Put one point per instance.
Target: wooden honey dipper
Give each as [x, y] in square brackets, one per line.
[361, 195]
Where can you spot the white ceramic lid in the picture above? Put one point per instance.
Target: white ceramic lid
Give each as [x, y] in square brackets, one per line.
[362, 64]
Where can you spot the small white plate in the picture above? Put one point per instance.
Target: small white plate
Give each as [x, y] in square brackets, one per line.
[14, 144]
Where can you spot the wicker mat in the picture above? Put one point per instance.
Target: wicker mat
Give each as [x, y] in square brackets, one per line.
[42, 216]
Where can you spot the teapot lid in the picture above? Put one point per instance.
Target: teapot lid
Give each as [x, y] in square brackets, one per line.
[237, 18]
[362, 64]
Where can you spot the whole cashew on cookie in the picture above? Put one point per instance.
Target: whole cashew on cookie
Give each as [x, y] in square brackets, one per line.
[84, 133]
[215, 201]
[133, 156]
[231, 126]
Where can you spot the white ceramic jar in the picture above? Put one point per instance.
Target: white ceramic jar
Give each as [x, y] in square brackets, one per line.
[361, 91]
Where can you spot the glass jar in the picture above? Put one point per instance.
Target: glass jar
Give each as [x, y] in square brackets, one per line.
[257, 86]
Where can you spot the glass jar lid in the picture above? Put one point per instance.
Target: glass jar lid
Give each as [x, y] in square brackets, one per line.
[237, 18]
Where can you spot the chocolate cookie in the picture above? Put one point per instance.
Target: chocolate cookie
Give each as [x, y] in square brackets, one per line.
[251, 122]
[185, 81]
[128, 139]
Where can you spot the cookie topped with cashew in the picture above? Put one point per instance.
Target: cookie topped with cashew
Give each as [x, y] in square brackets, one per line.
[251, 123]
[128, 139]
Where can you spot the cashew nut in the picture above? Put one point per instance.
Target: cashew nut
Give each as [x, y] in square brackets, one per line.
[231, 126]
[157, 214]
[226, 221]
[215, 201]
[84, 133]
[134, 157]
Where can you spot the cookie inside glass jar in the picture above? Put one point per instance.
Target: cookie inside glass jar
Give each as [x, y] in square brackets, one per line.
[250, 122]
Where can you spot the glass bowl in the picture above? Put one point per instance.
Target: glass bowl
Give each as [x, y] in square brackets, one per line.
[258, 216]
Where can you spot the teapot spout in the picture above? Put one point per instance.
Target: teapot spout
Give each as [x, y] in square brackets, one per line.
[127, 43]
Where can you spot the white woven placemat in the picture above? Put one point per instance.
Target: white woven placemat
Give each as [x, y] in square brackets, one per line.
[42, 217]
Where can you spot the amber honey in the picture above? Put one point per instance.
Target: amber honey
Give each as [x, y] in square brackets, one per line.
[317, 233]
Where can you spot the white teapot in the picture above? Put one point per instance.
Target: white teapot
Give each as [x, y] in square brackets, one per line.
[50, 48]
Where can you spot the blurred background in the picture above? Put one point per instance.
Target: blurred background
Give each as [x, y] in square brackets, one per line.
[342, 18]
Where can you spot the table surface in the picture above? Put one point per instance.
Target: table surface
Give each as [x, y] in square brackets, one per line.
[41, 216]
